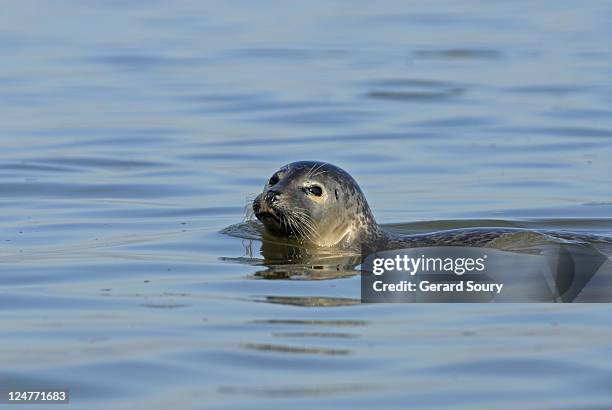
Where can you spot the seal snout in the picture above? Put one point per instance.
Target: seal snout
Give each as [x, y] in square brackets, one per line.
[266, 208]
[269, 202]
[271, 197]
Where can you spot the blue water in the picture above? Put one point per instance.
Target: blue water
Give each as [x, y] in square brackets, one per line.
[132, 133]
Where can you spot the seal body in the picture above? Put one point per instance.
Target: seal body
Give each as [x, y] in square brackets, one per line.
[320, 204]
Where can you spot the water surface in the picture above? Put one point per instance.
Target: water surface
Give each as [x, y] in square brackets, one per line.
[132, 134]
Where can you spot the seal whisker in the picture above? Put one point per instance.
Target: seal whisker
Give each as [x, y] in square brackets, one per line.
[249, 213]
[249, 202]
[319, 171]
[297, 225]
[301, 232]
[310, 170]
[314, 171]
[293, 224]
[302, 212]
[299, 229]
[306, 225]
[285, 221]
[309, 225]
[305, 218]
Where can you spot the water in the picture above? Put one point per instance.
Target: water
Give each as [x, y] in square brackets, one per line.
[132, 134]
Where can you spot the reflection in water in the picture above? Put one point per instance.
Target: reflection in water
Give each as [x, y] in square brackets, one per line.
[333, 335]
[414, 90]
[420, 96]
[459, 54]
[295, 349]
[304, 272]
[297, 391]
[314, 322]
[290, 260]
[310, 301]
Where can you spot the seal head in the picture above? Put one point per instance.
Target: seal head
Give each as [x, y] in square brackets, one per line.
[315, 203]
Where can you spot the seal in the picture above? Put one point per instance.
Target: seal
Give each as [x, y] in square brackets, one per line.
[320, 204]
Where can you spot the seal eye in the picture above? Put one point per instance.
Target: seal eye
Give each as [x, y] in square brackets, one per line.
[314, 190]
[274, 180]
